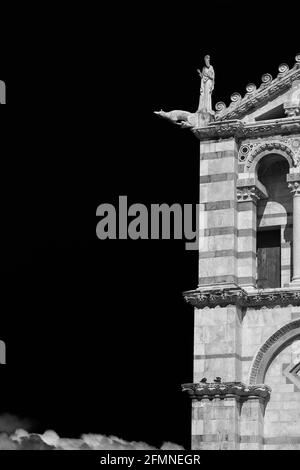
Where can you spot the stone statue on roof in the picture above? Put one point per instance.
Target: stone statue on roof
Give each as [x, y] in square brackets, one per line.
[207, 85]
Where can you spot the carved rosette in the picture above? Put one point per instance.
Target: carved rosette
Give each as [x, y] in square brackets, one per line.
[238, 296]
[237, 390]
[294, 187]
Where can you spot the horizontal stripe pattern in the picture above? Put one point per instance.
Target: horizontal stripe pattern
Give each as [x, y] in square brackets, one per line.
[218, 205]
[225, 253]
[217, 155]
[226, 279]
[216, 231]
[218, 177]
[223, 356]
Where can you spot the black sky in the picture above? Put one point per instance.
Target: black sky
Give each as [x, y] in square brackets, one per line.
[98, 336]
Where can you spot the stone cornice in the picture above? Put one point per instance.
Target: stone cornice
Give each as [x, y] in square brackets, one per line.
[238, 129]
[255, 98]
[269, 298]
[237, 390]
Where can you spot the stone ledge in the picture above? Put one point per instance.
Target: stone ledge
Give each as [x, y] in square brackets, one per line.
[236, 128]
[237, 390]
[213, 297]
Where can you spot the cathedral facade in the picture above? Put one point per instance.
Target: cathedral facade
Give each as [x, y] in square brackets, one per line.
[246, 386]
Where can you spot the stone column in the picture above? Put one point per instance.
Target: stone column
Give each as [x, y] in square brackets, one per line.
[294, 185]
[218, 426]
[252, 424]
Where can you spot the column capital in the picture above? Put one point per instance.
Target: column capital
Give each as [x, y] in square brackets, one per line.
[250, 189]
[248, 194]
[293, 180]
[294, 188]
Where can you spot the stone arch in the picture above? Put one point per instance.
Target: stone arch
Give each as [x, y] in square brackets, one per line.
[271, 348]
[265, 148]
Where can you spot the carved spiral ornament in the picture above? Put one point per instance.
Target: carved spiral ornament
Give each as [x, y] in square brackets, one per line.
[251, 88]
[220, 106]
[283, 68]
[235, 97]
[266, 78]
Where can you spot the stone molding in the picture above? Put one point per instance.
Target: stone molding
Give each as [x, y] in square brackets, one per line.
[238, 129]
[237, 390]
[270, 348]
[254, 98]
[214, 297]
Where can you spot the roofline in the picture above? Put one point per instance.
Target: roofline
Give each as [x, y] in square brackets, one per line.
[268, 90]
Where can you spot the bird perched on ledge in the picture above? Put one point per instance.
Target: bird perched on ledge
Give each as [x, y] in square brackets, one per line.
[203, 381]
[218, 380]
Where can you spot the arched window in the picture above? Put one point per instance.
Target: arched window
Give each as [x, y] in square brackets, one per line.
[274, 224]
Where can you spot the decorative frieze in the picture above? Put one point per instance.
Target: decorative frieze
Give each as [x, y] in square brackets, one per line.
[238, 296]
[237, 390]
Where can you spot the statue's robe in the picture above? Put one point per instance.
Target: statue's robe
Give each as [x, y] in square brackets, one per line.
[207, 86]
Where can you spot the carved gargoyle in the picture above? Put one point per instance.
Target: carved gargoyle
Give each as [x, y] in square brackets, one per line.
[182, 118]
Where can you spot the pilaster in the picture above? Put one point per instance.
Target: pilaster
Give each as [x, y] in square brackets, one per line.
[218, 214]
[227, 416]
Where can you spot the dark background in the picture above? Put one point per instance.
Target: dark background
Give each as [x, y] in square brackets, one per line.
[98, 336]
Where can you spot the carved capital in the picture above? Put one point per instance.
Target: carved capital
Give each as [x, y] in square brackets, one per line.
[248, 194]
[237, 390]
[295, 188]
[250, 189]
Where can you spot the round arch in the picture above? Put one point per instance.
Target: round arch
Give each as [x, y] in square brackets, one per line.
[275, 147]
[271, 348]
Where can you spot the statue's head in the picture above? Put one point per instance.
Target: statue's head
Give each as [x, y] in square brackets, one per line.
[207, 60]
